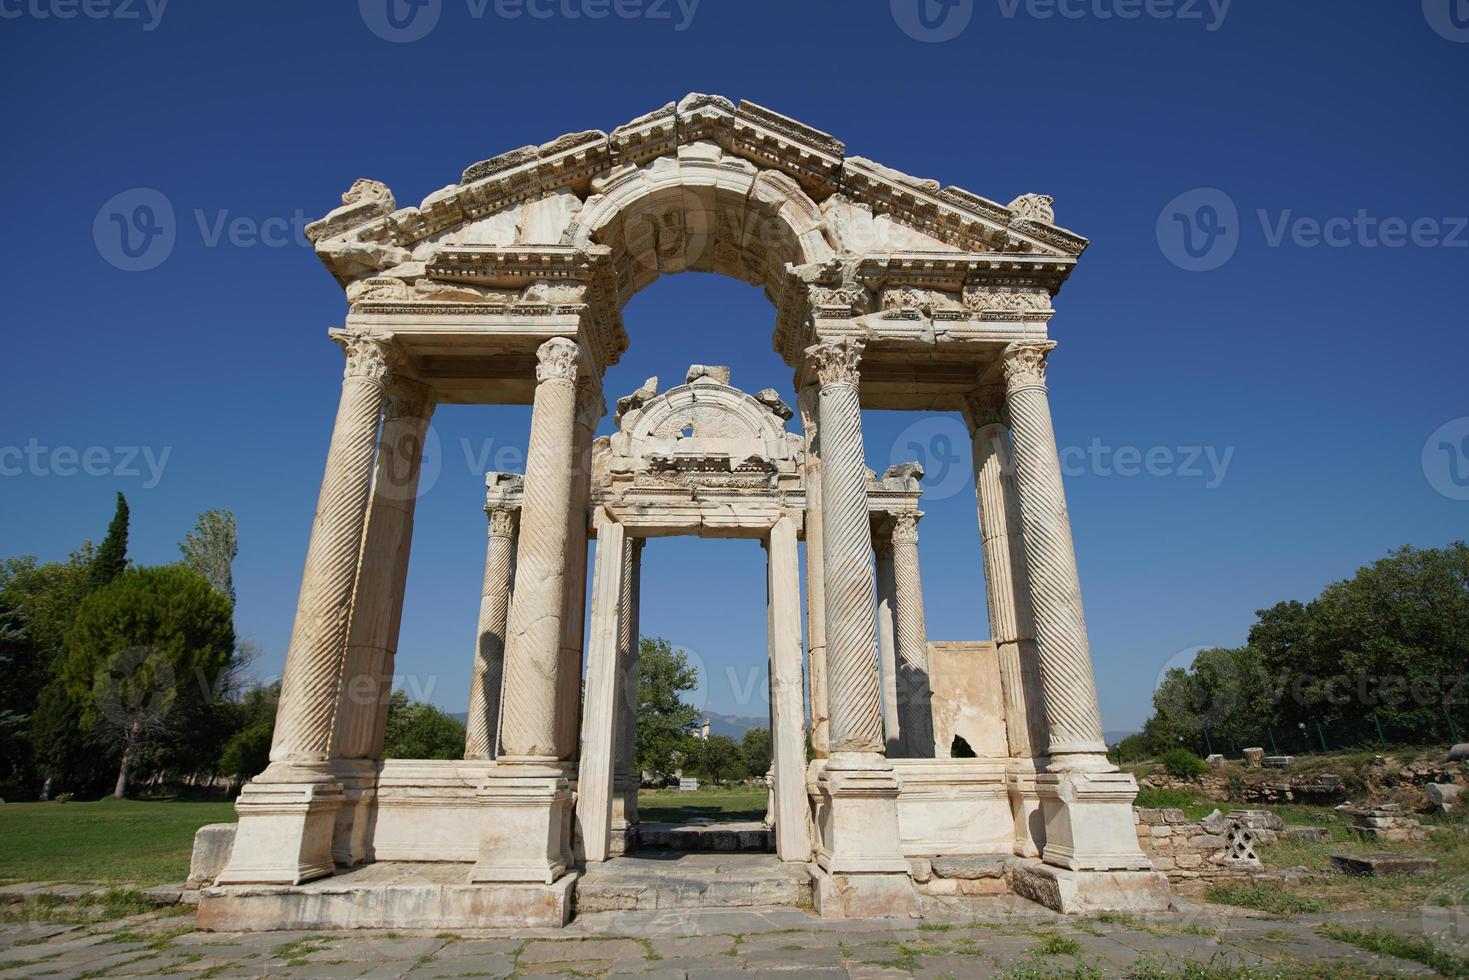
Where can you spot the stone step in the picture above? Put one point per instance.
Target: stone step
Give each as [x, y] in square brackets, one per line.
[722, 837]
[691, 881]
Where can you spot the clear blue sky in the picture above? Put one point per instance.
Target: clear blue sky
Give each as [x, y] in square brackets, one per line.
[1321, 371]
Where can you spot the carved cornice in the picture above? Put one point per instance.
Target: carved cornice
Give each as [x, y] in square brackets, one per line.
[368, 354]
[1024, 364]
[557, 360]
[835, 362]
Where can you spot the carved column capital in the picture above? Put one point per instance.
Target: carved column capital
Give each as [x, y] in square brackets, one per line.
[368, 355]
[905, 527]
[590, 405]
[835, 361]
[502, 521]
[407, 398]
[557, 360]
[1024, 364]
[985, 406]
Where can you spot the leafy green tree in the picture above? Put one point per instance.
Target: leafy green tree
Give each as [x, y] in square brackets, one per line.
[23, 672]
[112, 555]
[420, 731]
[755, 750]
[247, 751]
[210, 549]
[665, 723]
[151, 639]
[719, 760]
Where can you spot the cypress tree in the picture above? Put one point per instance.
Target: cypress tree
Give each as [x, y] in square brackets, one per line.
[112, 556]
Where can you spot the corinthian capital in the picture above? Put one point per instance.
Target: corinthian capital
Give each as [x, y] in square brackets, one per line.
[409, 399]
[368, 355]
[590, 405]
[557, 360]
[905, 527]
[835, 361]
[985, 406]
[502, 521]
[1024, 364]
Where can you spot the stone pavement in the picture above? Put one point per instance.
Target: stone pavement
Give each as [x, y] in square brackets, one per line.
[1011, 940]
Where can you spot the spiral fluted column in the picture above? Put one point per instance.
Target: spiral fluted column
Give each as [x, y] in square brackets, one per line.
[853, 688]
[589, 410]
[628, 778]
[915, 698]
[306, 717]
[485, 683]
[809, 401]
[1073, 719]
[377, 602]
[528, 727]
[1006, 590]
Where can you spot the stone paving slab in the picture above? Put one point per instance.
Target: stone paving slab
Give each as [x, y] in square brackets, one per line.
[709, 946]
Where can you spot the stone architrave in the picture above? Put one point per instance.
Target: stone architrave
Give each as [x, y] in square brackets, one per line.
[377, 612]
[288, 812]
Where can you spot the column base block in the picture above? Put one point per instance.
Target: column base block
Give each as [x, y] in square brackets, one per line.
[858, 814]
[1074, 892]
[862, 896]
[351, 836]
[1088, 821]
[284, 836]
[1025, 808]
[525, 834]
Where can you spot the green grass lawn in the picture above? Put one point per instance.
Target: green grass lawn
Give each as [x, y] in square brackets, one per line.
[720, 804]
[108, 842]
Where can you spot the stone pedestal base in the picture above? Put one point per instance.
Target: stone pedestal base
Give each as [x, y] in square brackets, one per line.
[1025, 808]
[863, 896]
[525, 832]
[858, 814]
[388, 896]
[287, 817]
[352, 833]
[1072, 892]
[1089, 823]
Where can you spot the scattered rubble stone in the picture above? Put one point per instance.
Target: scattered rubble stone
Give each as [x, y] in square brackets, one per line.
[1382, 865]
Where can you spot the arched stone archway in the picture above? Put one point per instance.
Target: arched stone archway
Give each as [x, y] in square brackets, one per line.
[889, 291]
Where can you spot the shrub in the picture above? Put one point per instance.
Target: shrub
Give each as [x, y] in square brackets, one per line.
[1183, 764]
[1154, 798]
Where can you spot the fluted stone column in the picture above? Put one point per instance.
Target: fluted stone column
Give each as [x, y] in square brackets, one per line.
[287, 812]
[787, 715]
[595, 775]
[589, 410]
[525, 836]
[915, 698]
[1086, 802]
[887, 642]
[627, 778]
[1007, 594]
[377, 611]
[482, 729]
[809, 402]
[859, 850]
[1073, 720]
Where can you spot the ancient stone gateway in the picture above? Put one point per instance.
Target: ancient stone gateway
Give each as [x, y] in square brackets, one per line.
[889, 292]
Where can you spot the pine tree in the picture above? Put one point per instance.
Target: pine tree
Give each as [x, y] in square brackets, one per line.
[112, 556]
